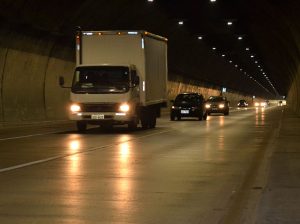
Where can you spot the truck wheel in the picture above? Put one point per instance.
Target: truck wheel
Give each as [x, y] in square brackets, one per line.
[132, 125]
[145, 120]
[152, 122]
[145, 123]
[81, 126]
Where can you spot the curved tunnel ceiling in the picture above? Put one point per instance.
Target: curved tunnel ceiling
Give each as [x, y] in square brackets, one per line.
[259, 50]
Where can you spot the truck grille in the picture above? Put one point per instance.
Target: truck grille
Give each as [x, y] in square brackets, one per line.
[99, 107]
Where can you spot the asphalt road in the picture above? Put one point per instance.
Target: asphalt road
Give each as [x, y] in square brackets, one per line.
[185, 171]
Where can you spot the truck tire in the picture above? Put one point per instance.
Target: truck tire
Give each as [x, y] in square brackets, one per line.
[132, 125]
[152, 122]
[81, 126]
[145, 123]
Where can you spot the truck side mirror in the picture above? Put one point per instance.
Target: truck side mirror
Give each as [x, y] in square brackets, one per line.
[135, 78]
[61, 81]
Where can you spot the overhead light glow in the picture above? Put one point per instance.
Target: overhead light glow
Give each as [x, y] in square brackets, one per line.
[150, 0]
[200, 37]
[180, 22]
[252, 56]
[247, 49]
[214, 48]
[213, 0]
[223, 55]
[240, 37]
[229, 23]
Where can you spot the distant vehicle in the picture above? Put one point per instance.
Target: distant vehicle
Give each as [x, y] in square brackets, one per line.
[188, 105]
[260, 104]
[242, 103]
[267, 102]
[280, 103]
[217, 104]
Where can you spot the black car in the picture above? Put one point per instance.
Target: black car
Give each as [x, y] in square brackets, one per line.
[188, 105]
[242, 103]
[217, 104]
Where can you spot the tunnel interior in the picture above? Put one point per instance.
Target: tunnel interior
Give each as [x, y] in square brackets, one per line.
[37, 46]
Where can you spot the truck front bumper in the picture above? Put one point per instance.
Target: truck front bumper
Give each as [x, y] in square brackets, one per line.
[102, 117]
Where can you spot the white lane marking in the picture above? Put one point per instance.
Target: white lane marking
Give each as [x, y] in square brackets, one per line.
[27, 136]
[47, 133]
[76, 153]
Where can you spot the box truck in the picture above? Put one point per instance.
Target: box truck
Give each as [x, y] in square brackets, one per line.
[120, 78]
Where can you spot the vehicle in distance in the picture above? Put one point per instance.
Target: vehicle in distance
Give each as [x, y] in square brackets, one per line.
[188, 105]
[242, 103]
[260, 104]
[217, 104]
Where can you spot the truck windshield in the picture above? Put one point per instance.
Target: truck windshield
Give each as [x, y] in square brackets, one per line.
[101, 79]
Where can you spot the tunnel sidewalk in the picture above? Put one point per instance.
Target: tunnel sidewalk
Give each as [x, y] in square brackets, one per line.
[280, 201]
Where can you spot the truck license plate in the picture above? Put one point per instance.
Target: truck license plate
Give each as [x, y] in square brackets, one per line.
[184, 111]
[97, 116]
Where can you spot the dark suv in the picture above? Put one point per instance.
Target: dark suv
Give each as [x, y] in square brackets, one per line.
[217, 104]
[188, 105]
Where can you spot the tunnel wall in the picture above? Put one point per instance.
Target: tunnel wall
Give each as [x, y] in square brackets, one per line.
[29, 88]
[294, 94]
[275, 27]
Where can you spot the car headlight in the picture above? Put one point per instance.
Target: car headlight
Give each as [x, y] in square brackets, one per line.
[256, 104]
[221, 105]
[75, 108]
[124, 107]
[207, 106]
[263, 104]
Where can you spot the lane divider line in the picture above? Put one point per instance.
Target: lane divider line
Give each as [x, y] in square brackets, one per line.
[27, 136]
[80, 152]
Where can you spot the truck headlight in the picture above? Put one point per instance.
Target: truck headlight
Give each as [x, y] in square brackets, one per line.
[221, 105]
[124, 107]
[207, 106]
[75, 108]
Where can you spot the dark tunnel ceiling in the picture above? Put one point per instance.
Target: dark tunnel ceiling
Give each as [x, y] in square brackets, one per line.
[266, 26]
[245, 43]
